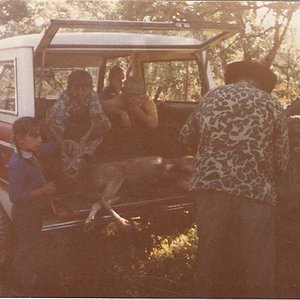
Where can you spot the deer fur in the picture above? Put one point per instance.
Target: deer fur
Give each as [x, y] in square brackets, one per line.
[112, 175]
[105, 179]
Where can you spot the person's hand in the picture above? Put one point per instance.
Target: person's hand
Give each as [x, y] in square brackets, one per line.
[125, 120]
[48, 189]
[72, 148]
[134, 109]
[134, 100]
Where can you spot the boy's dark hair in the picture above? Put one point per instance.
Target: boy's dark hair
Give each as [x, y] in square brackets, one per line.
[23, 126]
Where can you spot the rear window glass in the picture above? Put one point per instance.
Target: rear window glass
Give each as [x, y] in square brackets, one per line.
[179, 80]
[8, 101]
[50, 82]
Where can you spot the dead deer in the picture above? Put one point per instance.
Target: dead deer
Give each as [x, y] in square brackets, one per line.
[107, 178]
[112, 175]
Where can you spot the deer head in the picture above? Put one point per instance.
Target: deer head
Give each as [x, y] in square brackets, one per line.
[73, 165]
[180, 170]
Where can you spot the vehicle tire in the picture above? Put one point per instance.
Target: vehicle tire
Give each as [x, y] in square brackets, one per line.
[7, 238]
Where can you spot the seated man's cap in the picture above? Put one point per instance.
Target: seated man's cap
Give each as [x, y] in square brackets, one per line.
[258, 72]
[134, 85]
[80, 77]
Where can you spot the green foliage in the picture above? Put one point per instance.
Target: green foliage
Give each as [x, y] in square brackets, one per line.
[7, 86]
[175, 254]
[153, 266]
[12, 10]
[266, 32]
[180, 80]
[266, 38]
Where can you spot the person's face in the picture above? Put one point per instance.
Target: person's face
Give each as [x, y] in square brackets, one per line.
[79, 92]
[30, 142]
[118, 80]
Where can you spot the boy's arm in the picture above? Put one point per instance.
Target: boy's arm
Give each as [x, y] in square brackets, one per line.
[47, 189]
[18, 193]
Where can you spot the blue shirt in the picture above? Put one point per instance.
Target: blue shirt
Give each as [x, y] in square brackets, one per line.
[25, 175]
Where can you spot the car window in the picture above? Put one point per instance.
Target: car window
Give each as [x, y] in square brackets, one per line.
[8, 101]
[50, 82]
[179, 80]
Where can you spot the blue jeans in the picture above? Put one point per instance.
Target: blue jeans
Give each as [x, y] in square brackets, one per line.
[236, 249]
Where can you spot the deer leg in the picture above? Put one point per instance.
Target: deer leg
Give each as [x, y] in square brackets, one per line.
[109, 195]
[94, 209]
[120, 220]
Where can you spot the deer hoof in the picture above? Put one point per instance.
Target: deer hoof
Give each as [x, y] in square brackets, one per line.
[89, 225]
[125, 225]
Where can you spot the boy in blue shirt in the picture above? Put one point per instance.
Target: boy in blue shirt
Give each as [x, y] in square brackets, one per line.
[29, 193]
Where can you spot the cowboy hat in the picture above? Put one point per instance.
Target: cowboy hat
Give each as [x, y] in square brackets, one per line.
[247, 69]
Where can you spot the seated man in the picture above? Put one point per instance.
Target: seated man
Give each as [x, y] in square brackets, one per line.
[137, 117]
[77, 108]
[115, 78]
[133, 105]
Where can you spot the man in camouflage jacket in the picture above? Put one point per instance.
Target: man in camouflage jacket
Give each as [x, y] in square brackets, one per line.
[242, 152]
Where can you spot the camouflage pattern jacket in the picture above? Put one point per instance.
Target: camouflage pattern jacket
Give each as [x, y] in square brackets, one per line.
[242, 142]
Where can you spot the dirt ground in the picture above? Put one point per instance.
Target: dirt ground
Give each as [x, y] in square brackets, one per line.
[81, 264]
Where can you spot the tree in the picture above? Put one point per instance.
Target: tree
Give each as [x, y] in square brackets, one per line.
[267, 24]
[26, 17]
[12, 10]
